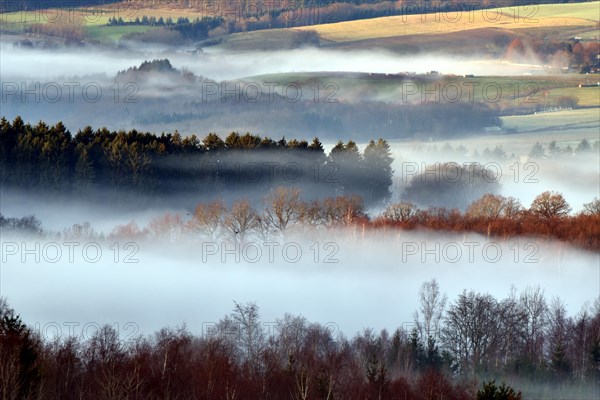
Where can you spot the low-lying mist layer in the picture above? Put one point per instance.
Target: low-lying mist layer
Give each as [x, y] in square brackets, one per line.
[351, 283]
[157, 96]
[520, 167]
[459, 250]
[224, 65]
[100, 164]
[332, 277]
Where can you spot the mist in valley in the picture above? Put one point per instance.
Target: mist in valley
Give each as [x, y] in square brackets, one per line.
[370, 273]
[516, 174]
[175, 283]
[224, 91]
[227, 65]
[349, 279]
[124, 244]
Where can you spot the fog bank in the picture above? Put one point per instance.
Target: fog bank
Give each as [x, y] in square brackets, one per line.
[346, 278]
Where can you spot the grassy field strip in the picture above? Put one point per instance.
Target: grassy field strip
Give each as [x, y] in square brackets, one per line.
[563, 127]
[546, 15]
[390, 88]
[580, 15]
[587, 97]
[396, 26]
[93, 20]
[113, 33]
[560, 120]
[96, 16]
[589, 10]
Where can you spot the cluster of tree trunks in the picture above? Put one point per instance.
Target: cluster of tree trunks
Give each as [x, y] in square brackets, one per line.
[450, 347]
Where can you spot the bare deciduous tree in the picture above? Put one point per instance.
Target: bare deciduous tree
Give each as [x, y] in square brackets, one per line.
[534, 304]
[559, 327]
[593, 207]
[251, 334]
[492, 206]
[168, 226]
[471, 330]
[284, 208]
[432, 305]
[400, 212]
[550, 205]
[513, 325]
[242, 219]
[581, 340]
[83, 231]
[207, 219]
[341, 210]
[10, 385]
[128, 231]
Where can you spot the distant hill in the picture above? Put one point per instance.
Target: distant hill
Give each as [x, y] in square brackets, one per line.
[25, 5]
[250, 10]
[559, 35]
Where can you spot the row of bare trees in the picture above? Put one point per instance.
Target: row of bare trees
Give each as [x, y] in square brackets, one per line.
[449, 349]
[523, 334]
[538, 150]
[284, 210]
[549, 216]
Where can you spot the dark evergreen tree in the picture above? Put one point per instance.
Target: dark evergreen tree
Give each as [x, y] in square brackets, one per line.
[377, 166]
[491, 391]
[19, 352]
